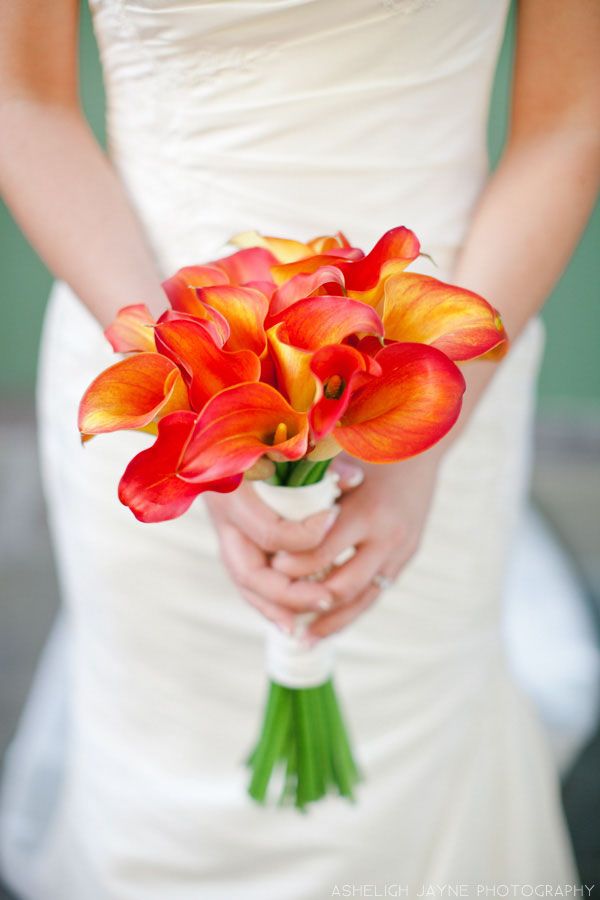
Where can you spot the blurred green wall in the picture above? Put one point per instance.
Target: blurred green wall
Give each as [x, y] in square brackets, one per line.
[570, 379]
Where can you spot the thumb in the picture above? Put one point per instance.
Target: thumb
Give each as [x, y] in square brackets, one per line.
[351, 474]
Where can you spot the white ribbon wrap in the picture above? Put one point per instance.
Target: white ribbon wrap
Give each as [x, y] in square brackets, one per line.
[289, 662]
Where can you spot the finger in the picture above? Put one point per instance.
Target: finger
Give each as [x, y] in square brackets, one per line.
[283, 618]
[341, 616]
[250, 569]
[348, 581]
[348, 531]
[349, 472]
[272, 533]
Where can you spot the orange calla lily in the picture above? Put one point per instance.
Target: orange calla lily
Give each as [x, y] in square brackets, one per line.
[364, 275]
[337, 369]
[248, 265]
[206, 368]
[316, 321]
[181, 287]
[151, 486]
[237, 427]
[405, 410]
[210, 319]
[304, 328]
[326, 280]
[460, 323]
[286, 250]
[278, 352]
[131, 394]
[391, 254]
[131, 330]
[245, 310]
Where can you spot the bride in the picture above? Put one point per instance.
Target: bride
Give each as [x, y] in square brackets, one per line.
[292, 117]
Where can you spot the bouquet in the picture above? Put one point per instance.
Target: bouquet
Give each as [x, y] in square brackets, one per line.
[269, 362]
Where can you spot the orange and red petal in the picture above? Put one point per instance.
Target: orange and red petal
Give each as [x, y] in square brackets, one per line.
[392, 253]
[211, 320]
[335, 369]
[248, 265]
[131, 330]
[206, 368]
[284, 250]
[181, 287]
[151, 486]
[317, 321]
[291, 366]
[129, 394]
[457, 321]
[244, 309]
[283, 272]
[326, 280]
[237, 427]
[408, 408]
[287, 250]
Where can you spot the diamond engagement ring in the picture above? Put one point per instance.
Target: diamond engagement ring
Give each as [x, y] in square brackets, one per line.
[382, 581]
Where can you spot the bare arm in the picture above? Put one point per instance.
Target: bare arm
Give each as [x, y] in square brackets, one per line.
[529, 219]
[54, 176]
[72, 207]
[536, 205]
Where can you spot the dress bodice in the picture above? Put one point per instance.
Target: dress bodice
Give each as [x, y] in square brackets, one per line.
[299, 116]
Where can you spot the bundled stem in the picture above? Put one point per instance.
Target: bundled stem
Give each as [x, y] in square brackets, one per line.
[304, 737]
[297, 474]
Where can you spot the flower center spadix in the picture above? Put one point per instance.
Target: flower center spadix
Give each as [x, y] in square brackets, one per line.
[334, 387]
[281, 433]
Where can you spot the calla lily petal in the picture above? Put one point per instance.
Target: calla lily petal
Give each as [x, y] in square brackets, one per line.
[336, 368]
[287, 251]
[325, 279]
[244, 309]
[292, 368]
[317, 321]
[181, 287]
[247, 265]
[130, 394]
[265, 287]
[460, 323]
[211, 320]
[206, 368]
[407, 409]
[283, 272]
[391, 254]
[284, 250]
[330, 243]
[305, 327]
[237, 427]
[150, 485]
[131, 330]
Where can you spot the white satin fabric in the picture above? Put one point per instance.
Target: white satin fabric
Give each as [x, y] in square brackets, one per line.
[293, 117]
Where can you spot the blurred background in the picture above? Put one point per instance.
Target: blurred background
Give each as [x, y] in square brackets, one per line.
[566, 477]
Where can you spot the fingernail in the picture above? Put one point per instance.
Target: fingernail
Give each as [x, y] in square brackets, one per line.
[285, 627]
[352, 475]
[331, 518]
[280, 557]
[309, 640]
[354, 478]
[325, 604]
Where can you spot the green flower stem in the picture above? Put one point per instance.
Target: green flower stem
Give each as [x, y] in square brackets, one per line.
[300, 470]
[304, 735]
[305, 471]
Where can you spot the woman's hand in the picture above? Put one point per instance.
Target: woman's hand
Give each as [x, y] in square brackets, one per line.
[249, 532]
[383, 519]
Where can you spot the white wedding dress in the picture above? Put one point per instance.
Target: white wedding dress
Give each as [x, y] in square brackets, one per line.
[293, 117]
